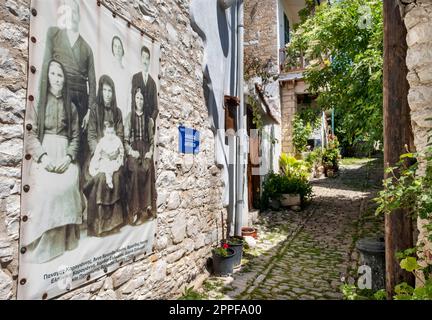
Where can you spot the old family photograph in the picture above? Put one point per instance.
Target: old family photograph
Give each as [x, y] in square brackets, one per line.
[92, 139]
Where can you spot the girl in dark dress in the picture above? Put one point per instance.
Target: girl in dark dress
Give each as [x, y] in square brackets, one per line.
[105, 205]
[139, 138]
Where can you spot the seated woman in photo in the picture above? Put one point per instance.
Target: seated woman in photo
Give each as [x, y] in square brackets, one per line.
[105, 204]
[139, 138]
[54, 197]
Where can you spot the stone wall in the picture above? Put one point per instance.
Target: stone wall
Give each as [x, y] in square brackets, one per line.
[261, 30]
[418, 21]
[189, 187]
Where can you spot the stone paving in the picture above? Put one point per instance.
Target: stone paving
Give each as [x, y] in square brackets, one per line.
[309, 254]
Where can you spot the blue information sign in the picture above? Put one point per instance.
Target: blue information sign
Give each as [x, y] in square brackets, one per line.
[188, 140]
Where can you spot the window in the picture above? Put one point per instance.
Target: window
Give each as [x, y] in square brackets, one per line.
[286, 29]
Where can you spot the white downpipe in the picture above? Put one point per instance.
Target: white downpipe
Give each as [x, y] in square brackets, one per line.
[225, 4]
[240, 172]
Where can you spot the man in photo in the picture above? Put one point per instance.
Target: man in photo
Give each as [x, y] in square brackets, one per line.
[65, 44]
[144, 80]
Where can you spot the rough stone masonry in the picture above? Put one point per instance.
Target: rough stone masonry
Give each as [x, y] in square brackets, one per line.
[189, 187]
[418, 21]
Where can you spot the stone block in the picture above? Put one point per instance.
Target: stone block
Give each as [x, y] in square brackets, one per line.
[178, 229]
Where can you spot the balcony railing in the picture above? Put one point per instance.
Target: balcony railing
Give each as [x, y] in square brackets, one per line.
[292, 63]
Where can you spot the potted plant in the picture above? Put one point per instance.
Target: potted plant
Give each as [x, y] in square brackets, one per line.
[294, 180]
[235, 243]
[223, 260]
[331, 157]
[249, 232]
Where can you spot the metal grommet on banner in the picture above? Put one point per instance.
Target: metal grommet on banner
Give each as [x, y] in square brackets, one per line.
[98, 3]
[29, 127]
[24, 218]
[23, 250]
[28, 156]
[31, 98]
[45, 296]
[26, 188]
[34, 12]
[33, 69]
[23, 281]
[33, 39]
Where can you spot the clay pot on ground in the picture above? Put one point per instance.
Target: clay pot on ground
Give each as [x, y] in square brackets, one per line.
[249, 232]
[289, 200]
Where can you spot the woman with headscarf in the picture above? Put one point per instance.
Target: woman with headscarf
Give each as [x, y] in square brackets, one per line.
[139, 145]
[55, 210]
[105, 205]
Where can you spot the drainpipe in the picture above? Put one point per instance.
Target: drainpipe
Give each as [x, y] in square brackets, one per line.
[225, 4]
[240, 154]
[240, 203]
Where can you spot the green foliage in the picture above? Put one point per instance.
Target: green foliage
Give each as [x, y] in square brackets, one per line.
[407, 190]
[331, 154]
[191, 294]
[222, 250]
[352, 292]
[314, 158]
[293, 168]
[232, 241]
[423, 292]
[301, 133]
[256, 114]
[294, 179]
[345, 65]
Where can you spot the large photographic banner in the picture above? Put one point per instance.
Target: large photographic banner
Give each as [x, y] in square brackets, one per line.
[89, 198]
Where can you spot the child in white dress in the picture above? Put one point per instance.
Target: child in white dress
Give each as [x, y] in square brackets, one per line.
[108, 156]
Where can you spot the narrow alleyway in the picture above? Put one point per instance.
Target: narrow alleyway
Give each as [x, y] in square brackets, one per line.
[308, 254]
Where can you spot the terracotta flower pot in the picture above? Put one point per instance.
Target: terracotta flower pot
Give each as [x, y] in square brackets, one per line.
[249, 231]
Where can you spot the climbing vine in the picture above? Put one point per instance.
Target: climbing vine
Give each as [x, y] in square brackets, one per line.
[405, 188]
[259, 73]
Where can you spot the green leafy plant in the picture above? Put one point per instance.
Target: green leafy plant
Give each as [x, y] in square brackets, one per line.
[301, 133]
[232, 241]
[352, 292]
[345, 63]
[331, 154]
[293, 168]
[190, 293]
[406, 189]
[222, 250]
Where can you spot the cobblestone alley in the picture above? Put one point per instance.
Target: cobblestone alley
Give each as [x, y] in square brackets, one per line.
[308, 254]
